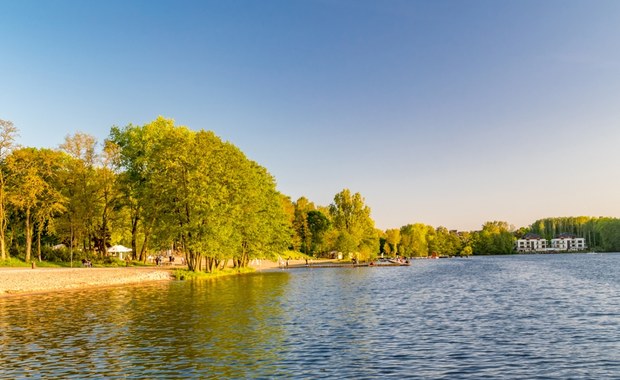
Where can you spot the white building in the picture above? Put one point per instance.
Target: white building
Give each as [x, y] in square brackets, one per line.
[568, 242]
[563, 242]
[531, 243]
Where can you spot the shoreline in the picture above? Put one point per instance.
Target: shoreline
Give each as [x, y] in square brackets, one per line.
[23, 281]
[16, 281]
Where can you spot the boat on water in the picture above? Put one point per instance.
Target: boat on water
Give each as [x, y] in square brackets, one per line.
[393, 262]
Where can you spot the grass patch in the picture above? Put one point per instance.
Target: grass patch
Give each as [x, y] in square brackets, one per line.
[14, 262]
[184, 274]
[17, 263]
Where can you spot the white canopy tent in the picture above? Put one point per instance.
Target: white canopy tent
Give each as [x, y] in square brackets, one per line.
[120, 249]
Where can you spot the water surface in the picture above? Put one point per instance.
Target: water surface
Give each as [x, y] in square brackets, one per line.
[529, 316]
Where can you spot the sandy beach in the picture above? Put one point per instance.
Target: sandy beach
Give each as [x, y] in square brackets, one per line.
[26, 280]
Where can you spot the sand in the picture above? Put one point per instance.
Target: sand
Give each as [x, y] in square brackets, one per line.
[26, 280]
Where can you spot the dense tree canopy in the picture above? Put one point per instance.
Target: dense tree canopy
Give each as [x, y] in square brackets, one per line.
[495, 238]
[200, 194]
[356, 234]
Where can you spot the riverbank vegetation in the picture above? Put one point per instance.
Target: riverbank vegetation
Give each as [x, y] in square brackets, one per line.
[186, 274]
[165, 188]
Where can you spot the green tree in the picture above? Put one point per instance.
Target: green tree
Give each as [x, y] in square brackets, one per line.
[417, 239]
[138, 148]
[300, 224]
[494, 238]
[105, 184]
[81, 190]
[467, 251]
[8, 132]
[289, 211]
[31, 181]
[392, 237]
[207, 198]
[356, 231]
[581, 226]
[447, 242]
[610, 234]
[318, 224]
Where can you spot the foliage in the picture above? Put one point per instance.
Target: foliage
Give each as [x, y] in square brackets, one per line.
[166, 187]
[609, 230]
[586, 227]
[416, 240]
[8, 132]
[467, 251]
[495, 238]
[202, 195]
[356, 234]
[392, 238]
[303, 234]
[33, 188]
[318, 225]
[183, 274]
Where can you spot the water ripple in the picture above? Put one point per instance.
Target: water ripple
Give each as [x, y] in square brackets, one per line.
[535, 317]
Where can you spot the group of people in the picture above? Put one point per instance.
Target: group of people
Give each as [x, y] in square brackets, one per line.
[159, 259]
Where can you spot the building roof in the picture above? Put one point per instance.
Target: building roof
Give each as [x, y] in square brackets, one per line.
[531, 236]
[565, 235]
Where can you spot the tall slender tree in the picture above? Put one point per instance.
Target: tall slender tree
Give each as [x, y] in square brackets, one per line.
[81, 189]
[8, 133]
[32, 190]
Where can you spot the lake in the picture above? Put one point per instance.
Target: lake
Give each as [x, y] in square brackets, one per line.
[513, 317]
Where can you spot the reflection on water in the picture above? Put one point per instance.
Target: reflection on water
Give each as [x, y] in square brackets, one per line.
[551, 316]
[214, 328]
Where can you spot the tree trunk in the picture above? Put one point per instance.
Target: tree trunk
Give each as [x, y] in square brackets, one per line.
[71, 245]
[5, 256]
[134, 233]
[3, 252]
[28, 236]
[39, 243]
[193, 261]
[104, 223]
[143, 248]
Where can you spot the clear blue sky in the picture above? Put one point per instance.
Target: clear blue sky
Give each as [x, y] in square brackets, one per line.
[448, 113]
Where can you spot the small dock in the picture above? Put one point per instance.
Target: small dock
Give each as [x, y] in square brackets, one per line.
[347, 265]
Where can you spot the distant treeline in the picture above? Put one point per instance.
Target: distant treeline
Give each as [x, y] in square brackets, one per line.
[161, 187]
[496, 238]
[421, 240]
[601, 234]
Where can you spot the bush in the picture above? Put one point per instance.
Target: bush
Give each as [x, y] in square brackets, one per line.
[184, 274]
[57, 255]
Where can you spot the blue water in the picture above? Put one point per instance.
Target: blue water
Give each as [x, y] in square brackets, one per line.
[514, 317]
